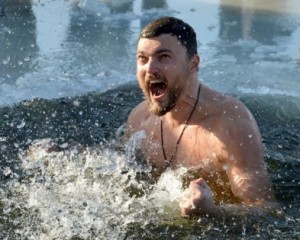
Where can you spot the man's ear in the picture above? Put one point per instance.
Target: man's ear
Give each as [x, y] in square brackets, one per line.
[194, 63]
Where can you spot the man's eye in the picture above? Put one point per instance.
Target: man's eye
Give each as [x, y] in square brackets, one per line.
[141, 58]
[165, 57]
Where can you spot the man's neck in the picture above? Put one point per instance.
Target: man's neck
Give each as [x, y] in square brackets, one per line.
[185, 104]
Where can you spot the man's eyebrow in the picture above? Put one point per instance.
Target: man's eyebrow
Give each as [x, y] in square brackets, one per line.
[140, 52]
[163, 50]
[157, 51]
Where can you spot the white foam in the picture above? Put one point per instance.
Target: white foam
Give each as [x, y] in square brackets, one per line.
[83, 192]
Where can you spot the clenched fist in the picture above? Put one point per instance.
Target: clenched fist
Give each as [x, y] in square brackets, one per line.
[198, 199]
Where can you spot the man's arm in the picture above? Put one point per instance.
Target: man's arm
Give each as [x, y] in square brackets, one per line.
[241, 154]
[244, 156]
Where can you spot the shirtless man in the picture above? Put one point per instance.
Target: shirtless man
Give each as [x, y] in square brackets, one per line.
[190, 125]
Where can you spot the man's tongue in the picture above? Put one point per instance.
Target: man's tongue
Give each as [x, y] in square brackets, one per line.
[158, 89]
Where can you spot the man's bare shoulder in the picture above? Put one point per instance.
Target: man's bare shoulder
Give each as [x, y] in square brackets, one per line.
[237, 116]
[138, 117]
[235, 127]
[229, 111]
[224, 105]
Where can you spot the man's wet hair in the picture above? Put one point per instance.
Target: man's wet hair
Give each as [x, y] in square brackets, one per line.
[176, 27]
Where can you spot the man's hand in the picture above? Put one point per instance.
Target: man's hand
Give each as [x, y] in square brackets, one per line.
[198, 199]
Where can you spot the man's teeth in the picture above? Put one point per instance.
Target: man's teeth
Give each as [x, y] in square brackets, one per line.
[154, 82]
[157, 82]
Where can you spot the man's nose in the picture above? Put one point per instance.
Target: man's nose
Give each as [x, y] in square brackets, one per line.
[152, 66]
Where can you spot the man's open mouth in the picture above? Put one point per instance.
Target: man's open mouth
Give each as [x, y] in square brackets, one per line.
[157, 88]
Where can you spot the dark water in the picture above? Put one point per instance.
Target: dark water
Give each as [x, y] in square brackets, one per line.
[92, 121]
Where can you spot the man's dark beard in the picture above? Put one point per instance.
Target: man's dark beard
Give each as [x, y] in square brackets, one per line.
[156, 109]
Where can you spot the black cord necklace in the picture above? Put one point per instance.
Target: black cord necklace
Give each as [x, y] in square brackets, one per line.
[185, 126]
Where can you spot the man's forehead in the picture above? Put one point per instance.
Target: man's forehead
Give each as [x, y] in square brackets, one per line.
[163, 41]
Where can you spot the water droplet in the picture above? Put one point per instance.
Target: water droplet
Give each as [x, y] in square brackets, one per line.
[29, 172]
[16, 185]
[7, 171]
[21, 125]
[64, 145]
[225, 167]
[26, 59]
[20, 63]
[2, 139]
[76, 103]
[250, 135]
[6, 209]
[6, 60]
[80, 113]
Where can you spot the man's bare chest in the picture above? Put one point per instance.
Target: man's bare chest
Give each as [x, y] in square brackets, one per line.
[193, 153]
[196, 148]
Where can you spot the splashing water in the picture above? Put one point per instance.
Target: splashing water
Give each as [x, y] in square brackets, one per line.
[85, 193]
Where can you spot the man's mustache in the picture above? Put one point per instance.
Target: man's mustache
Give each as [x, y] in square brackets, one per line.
[154, 77]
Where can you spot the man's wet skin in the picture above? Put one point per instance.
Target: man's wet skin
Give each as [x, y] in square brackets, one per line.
[220, 144]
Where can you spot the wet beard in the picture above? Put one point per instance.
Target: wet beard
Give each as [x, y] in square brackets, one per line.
[161, 109]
